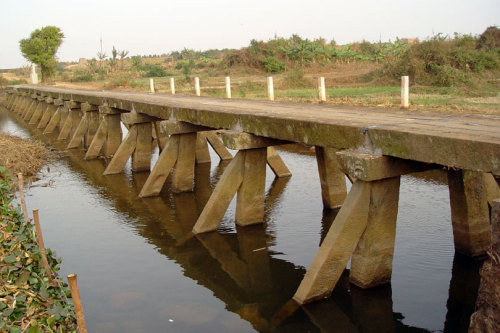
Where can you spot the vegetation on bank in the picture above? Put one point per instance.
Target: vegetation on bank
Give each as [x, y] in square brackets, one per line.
[448, 72]
[29, 300]
[20, 155]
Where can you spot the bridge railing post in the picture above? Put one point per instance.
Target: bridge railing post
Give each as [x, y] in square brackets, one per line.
[270, 88]
[405, 92]
[322, 90]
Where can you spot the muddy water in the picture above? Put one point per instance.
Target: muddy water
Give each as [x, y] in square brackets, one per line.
[141, 270]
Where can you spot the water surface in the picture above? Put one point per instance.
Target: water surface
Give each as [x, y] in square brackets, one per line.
[141, 270]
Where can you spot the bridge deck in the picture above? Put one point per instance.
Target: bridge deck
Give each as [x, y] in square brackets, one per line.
[462, 141]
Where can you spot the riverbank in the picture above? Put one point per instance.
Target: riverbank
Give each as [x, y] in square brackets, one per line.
[29, 300]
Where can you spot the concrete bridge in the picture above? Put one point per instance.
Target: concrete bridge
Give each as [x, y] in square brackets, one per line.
[372, 147]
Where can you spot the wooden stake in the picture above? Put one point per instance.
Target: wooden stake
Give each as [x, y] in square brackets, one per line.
[77, 302]
[39, 237]
[197, 86]
[270, 88]
[228, 87]
[405, 92]
[21, 194]
[152, 86]
[322, 90]
[172, 85]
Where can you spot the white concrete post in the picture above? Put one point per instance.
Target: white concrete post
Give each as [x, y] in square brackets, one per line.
[322, 90]
[405, 92]
[270, 88]
[151, 85]
[33, 75]
[172, 85]
[197, 86]
[228, 87]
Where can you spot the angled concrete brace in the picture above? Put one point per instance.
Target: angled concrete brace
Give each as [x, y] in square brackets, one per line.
[49, 112]
[29, 113]
[180, 154]
[246, 174]
[71, 119]
[108, 136]
[364, 228]
[87, 127]
[55, 119]
[22, 104]
[10, 99]
[42, 106]
[31, 107]
[137, 144]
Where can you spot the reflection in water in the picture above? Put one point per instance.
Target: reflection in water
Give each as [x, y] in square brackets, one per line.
[238, 268]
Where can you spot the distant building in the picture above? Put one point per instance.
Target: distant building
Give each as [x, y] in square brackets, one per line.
[410, 40]
[82, 62]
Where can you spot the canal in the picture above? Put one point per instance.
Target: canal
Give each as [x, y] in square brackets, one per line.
[141, 270]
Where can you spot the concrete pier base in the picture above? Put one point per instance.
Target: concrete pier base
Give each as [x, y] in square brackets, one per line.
[137, 144]
[246, 176]
[470, 195]
[364, 228]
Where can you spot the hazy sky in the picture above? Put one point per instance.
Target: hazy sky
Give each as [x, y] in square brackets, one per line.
[155, 27]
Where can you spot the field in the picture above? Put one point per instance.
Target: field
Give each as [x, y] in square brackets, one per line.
[459, 74]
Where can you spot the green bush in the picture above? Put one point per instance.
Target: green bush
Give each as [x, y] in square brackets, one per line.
[84, 77]
[272, 65]
[18, 81]
[153, 70]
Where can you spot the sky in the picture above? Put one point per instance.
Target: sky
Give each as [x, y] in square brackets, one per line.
[156, 27]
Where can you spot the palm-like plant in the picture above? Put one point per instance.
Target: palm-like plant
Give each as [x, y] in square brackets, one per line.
[123, 54]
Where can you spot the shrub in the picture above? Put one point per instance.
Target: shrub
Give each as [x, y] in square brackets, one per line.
[295, 79]
[84, 76]
[153, 70]
[272, 65]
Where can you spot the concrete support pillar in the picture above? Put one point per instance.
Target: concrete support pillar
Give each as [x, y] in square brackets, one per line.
[55, 119]
[24, 104]
[10, 100]
[183, 177]
[16, 102]
[27, 116]
[141, 157]
[251, 193]
[470, 195]
[31, 108]
[364, 227]
[180, 153]
[81, 134]
[245, 175]
[137, 144]
[107, 138]
[333, 186]
[113, 134]
[42, 106]
[49, 113]
[371, 262]
[71, 120]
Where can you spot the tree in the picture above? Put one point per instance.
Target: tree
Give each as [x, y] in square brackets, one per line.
[41, 48]
[113, 60]
[123, 54]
